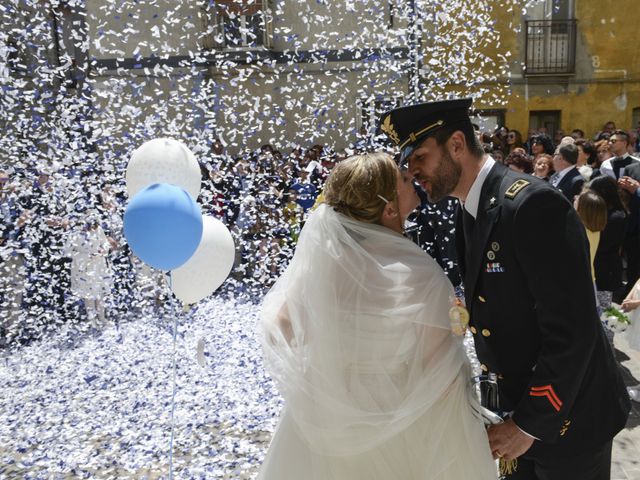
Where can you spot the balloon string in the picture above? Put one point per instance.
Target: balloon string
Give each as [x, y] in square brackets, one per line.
[173, 395]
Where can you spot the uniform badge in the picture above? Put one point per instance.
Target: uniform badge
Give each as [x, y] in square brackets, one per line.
[515, 188]
[494, 268]
[459, 318]
[491, 255]
[495, 246]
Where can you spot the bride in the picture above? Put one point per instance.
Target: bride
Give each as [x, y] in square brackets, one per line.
[357, 335]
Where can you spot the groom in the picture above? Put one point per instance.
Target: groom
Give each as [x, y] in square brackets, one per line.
[524, 258]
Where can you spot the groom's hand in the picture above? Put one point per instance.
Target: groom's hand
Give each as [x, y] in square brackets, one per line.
[508, 441]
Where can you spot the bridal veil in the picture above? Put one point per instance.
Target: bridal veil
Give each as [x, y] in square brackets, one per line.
[357, 335]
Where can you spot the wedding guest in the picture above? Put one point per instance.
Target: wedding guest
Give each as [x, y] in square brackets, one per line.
[577, 134]
[567, 178]
[499, 139]
[111, 207]
[558, 137]
[12, 270]
[608, 260]
[618, 145]
[541, 144]
[531, 134]
[514, 140]
[587, 158]
[543, 167]
[47, 268]
[603, 154]
[630, 184]
[87, 246]
[592, 210]
[519, 161]
[498, 155]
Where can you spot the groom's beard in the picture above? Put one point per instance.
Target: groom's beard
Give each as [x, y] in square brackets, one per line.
[445, 178]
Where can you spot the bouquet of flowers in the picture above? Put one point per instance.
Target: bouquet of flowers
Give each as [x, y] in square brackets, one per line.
[614, 319]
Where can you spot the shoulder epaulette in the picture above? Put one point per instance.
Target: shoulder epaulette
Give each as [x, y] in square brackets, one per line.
[515, 188]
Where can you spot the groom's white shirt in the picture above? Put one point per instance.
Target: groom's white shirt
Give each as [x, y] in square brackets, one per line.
[473, 202]
[473, 197]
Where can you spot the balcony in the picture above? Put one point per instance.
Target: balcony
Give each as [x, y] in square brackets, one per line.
[550, 47]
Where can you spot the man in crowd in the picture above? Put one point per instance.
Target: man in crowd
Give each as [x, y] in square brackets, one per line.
[11, 259]
[630, 182]
[619, 147]
[567, 178]
[48, 284]
[533, 310]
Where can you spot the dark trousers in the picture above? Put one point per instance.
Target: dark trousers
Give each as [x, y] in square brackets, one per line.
[593, 464]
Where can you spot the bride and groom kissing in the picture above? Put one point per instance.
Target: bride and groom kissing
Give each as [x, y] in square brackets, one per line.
[358, 335]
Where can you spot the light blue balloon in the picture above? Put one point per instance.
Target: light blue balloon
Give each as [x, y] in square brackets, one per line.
[163, 225]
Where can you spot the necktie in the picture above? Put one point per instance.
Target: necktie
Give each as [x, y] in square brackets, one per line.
[555, 179]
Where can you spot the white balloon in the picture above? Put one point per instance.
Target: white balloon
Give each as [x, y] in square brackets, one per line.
[209, 266]
[163, 160]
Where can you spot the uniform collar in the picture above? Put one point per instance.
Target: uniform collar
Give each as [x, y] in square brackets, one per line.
[473, 197]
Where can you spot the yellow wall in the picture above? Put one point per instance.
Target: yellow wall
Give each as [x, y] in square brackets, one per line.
[607, 69]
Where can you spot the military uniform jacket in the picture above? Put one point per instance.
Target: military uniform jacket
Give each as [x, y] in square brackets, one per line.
[531, 298]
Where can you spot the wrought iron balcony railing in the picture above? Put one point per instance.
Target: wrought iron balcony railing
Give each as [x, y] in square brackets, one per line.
[550, 47]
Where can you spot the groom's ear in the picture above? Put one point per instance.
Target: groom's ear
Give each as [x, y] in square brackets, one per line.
[457, 144]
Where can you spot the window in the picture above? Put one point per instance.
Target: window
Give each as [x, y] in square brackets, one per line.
[488, 120]
[236, 25]
[70, 36]
[545, 119]
[550, 47]
[635, 118]
[551, 39]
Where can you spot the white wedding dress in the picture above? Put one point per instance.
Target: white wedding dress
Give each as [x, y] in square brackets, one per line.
[633, 332]
[357, 336]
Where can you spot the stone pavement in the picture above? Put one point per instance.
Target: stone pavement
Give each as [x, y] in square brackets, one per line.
[626, 445]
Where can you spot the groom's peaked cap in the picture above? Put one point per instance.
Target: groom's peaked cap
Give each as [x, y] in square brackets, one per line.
[408, 126]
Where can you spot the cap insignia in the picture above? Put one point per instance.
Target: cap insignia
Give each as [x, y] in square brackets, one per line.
[414, 135]
[388, 128]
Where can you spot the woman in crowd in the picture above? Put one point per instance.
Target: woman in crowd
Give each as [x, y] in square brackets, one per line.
[514, 140]
[608, 261]
[587, 157]
[592, 210]
[603, 154]
[540, 145]
[499, 139]
[543, 167]
[87, 247]
[357, 335]
[519, 161]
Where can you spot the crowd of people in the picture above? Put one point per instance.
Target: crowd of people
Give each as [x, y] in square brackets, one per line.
[64, 255]
[599, 171]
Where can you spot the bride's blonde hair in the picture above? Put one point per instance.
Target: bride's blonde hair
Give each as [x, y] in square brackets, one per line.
[356, 184]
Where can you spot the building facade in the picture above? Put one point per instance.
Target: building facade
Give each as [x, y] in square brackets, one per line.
[574, 64]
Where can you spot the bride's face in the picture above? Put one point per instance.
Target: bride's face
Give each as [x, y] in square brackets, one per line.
[408, 199]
